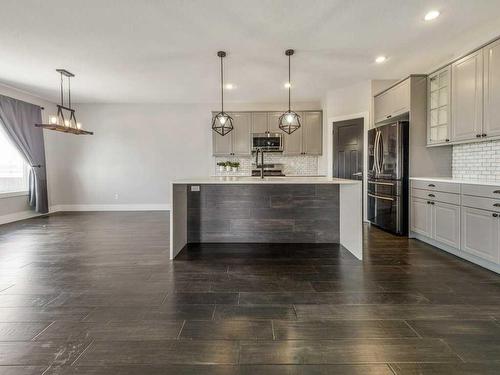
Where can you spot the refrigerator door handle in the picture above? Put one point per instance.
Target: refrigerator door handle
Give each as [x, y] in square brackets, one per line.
[376, 153]
[380, 149]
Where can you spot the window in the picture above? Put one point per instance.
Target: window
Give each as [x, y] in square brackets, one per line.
[13, 168]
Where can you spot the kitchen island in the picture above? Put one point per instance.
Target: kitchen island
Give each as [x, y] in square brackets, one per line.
[269, 210]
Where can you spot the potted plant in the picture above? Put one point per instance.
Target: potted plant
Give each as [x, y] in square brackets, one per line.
[235, 165]
[221, 166]
[228, 166]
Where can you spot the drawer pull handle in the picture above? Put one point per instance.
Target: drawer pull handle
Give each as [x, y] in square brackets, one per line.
[431, 185]
[495, 215]
[496, 205]
[432, 195]
[496, 192]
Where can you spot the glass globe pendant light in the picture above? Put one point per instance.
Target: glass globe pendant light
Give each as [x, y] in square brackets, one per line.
[289, 121]
[222, 123]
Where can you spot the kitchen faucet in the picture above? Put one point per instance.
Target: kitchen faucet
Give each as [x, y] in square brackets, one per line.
[261, 161]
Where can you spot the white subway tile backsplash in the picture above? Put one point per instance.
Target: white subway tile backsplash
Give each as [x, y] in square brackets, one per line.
[479, 161]
[293, 165]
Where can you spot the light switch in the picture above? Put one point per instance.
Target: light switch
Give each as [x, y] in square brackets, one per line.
[195, 188]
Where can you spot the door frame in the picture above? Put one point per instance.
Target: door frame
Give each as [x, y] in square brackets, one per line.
[366, 125]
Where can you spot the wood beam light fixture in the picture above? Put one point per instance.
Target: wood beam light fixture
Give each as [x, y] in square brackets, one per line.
[59, 122]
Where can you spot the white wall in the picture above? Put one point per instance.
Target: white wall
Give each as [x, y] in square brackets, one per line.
[136, 151]
[13, 208]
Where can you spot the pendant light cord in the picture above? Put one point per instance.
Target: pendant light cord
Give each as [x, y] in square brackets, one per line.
[62, 93]
[289, 84]
[222, 82]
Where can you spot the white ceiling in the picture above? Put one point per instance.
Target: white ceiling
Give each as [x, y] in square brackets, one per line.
[165, 50]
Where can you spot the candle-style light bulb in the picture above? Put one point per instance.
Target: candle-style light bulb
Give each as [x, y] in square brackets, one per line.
[79, 125]
[53, 120]
[222, 120]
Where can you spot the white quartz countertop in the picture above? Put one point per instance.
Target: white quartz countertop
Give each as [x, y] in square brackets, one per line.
[265, 180]
[457, 180]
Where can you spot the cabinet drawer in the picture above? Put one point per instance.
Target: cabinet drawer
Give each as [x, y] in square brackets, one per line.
[438, 196]
[481, 203]
[481, 190]
[447, 187]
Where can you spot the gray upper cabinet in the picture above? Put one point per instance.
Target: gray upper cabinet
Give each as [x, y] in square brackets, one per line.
[293, 143]
[308, 139]
[467, 97]
[438, 107]
[237, 142]
[259, 122]
[392, 102]
[241, 133]
[491, 124]
[273, 122]
[313, 133]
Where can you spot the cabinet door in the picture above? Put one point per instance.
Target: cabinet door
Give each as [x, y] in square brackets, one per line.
[273, 122]
[259, 122]
[292, 143]
[492, 90]
[421, 217]
[467, 97]
[438, 108]
[480, 233]
[312, 135]
[222, 145]
[446, 224]
[393, 102]
[241, 133]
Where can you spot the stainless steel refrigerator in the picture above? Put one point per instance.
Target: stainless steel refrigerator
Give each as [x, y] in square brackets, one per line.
[388, 177]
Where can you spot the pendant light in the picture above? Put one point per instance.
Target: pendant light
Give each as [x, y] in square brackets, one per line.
[289, 121]
[222, 123]
[59, 122]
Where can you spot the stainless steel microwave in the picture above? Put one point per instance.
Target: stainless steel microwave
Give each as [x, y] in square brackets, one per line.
[267, 141]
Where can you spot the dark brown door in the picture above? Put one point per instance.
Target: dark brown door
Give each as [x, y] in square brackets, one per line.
[348, 149]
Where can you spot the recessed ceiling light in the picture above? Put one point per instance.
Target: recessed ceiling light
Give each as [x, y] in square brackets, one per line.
[432, 15]
[229, 86]
[380, 59]
[287, 85]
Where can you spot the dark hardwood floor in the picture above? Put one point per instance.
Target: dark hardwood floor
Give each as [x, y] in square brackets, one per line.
[95, 293]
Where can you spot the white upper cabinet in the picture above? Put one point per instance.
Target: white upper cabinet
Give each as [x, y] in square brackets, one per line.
[259, 122]
[467, 97]
[438, 104]
[392, 102]
[491, 125]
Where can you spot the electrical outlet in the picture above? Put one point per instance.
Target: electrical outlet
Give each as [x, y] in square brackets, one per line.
[195, 188]
[116, 196]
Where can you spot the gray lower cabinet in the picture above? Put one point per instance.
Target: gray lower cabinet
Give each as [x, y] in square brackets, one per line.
[437, 220]
[463, 219]
[421, 217]
[446, 223]
[237, 142]
[480, 234]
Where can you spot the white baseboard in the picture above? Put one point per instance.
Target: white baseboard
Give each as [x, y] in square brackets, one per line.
[10, 218]
[5, 219]
[111, 207]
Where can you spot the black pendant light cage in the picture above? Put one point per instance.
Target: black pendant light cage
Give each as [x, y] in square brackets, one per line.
[289, 121]
[222, 123]
[59, 122]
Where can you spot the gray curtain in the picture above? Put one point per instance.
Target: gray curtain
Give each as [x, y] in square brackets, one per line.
[19, 119]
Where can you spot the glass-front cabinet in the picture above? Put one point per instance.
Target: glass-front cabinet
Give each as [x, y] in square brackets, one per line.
[438, 107]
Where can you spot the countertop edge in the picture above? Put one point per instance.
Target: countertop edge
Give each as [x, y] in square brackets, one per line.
[457, 181]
